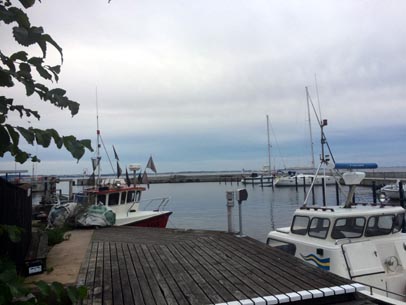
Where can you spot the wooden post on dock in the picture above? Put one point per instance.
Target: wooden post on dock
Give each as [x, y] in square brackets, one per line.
[374, 191]
[304, 184]
[230, 206]
[296, 183]
[401, 195]
[337, 194]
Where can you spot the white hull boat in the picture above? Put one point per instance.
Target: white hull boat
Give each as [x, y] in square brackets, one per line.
[305, 179]
[392, 191]
[364, 243]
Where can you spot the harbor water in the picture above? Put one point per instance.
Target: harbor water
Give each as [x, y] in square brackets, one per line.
[202, 206]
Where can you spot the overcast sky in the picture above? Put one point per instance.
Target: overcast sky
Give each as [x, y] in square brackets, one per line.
[191, 82]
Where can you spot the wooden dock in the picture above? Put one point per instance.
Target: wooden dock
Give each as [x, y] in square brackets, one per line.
[148, 266]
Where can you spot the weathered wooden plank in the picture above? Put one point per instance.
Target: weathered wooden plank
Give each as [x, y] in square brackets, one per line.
[89, 282]
[172, 283]
[222, 284]
[123, 269]
[115, 276]
[266, 273]
[142, 280]
[191, 268]
[107, 279]
[98, 276]
[185, 282]
[149, 275]
[308, 275]
[232, 269]
[132, 276]
[160, 279]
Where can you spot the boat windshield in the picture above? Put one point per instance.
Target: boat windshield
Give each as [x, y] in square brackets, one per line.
[379, 225]
[319, 227]
[300, 224]
[350, 227]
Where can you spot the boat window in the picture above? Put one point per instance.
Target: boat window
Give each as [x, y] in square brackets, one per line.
[379, 225]
[131, 196]
[101, 199]
[319, 227]
[398, 222]
[300, 224]
[123, 197]
[282, 245]
[114, 198]
[351, 227]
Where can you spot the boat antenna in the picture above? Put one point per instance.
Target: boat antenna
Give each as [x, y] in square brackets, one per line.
[98, 139]
[269, 145]
[310, 127]
[317, 94]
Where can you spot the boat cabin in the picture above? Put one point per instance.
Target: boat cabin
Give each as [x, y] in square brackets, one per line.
[335, 223]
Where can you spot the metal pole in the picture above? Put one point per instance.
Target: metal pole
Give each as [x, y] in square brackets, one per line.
[240, 218]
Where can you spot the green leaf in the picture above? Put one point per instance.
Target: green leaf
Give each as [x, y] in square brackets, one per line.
[14, 233]
[21, 35]
[49, 39]
[58, 289]
[87, 143]
[28, 134]
[57, 139]
[13, 134]
[21, 156]
[27, 3]
[6, 16]
[4, 139]
[43, 137]
[5, 78]
[19, 55]
[43, 73]
[43, 288]
[74, 147]
[20, 17]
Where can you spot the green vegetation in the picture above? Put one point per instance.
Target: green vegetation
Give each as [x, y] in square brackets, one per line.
[19, 68]
[14, 291]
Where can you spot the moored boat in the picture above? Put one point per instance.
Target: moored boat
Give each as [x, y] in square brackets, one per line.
[362, 242]
[125, 202]
[392, 191]
[304, 179]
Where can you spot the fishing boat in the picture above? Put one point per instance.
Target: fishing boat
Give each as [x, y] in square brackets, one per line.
[114, 201]
[125, 202]
[361, 242]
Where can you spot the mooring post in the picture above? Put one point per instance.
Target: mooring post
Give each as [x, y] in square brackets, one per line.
[324, 191]
[230, 206]
[242, 195]
[296, 183]
[313, 197]
[337, 194]
[374, 191]
[401, 195]
[304, 184]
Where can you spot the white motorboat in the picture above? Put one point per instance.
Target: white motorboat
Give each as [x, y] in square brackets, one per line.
[364, 243]
[255, 178]
[392, 191]
[304, 179]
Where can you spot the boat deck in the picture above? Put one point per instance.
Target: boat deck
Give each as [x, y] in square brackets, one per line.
[129, 265]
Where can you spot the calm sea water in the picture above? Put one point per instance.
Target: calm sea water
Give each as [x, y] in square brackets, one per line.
[203, 205]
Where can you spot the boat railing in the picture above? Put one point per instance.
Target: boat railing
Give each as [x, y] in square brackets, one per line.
[160, 202]
[372, 288]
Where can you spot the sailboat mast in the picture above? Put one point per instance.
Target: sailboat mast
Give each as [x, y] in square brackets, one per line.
[269, 145]
[310, 127]
[98, 138]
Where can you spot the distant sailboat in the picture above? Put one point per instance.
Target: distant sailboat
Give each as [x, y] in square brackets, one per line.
[265, 178]
[307, 179]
